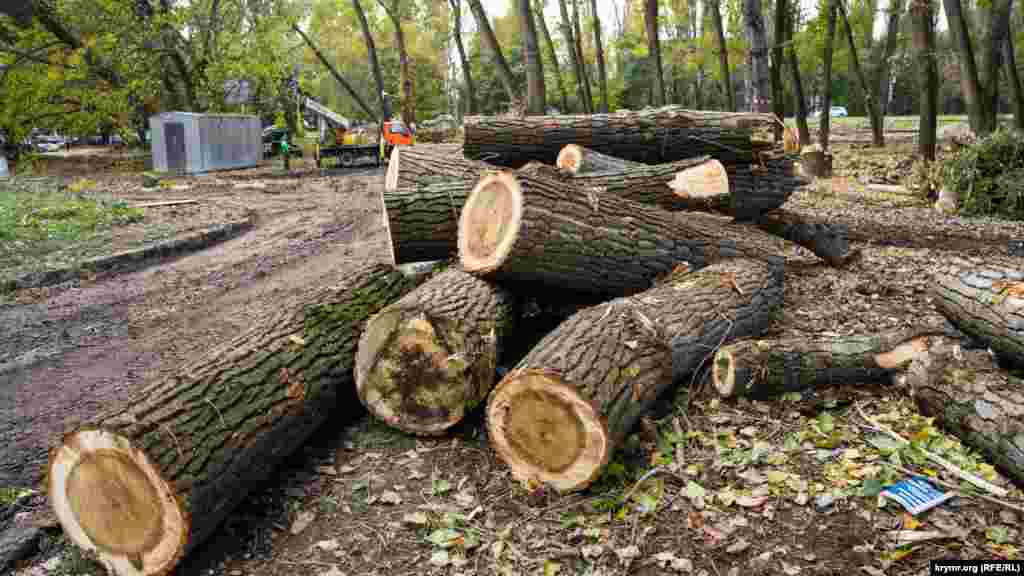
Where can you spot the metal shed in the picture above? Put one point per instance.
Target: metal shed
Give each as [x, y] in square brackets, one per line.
[196, 143]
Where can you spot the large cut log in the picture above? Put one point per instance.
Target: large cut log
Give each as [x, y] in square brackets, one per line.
[411, 166]
[830, 242]
[650, 136]
[559, 414]
[762, 369]
[986, 303]
[422, 222]
[576, 160]
[148, 481]
[975, 400]
[429, 358]
[762, 186]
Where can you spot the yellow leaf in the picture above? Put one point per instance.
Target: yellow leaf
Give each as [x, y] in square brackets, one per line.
[551, 568]
[909, 522]
[900, 553]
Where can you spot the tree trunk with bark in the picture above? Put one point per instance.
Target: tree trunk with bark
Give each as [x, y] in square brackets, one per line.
[777, 57]
[882, 66]
[870, 100]
[570, 43]
[654, 51]
[337, 76]
[760, 96]
[576, 159]
[980, 88]
[552, 55]
[973, 399]
[923, 27]
[491, 42]
[404, 72]
[803, 130]
[148, 481]
[984, 303]
[651, 136]
[531, 57]
[578, 37]
[565, 408]
[826, 91]
[602, 75]
[830, 242]
[371, 53]
[467, 72]
[422, 222]
[723, 54]
[762, 369]
[1013, 77]
[429, 358]
[412, 166]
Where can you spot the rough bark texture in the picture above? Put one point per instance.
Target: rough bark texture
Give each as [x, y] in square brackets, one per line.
[654, 51]
[371, 54]
[467, 73]
[763, 369]
[830, 242]
[602, 75]
[826, 90]
[870, 92]
[654, 185]
[986, 303]
[531, 56]
[576, 159]
[570, 42]
[803, 130]
[558, 416]
[923, 27]
[979, 80]
[412, 166]
[214, 430]
[423, 221]
[1013, 77]
[491, 42]
[429, 358]
[775, 72]
[976, 401]
[723, 54]
[578, 38]
[760, 188]
[651, 136]
[760, 98]
[552, 55]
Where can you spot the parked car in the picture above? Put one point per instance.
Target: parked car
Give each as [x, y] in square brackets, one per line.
[834, 112]
[48, 143]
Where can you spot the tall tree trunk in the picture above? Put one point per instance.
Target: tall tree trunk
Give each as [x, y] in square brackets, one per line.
[1010, 61]
[923, 22]
[602, 75]
[980, 91]
[467, 72]
[570, 44]
[491, 42]
[371, 52]
[531, 57]
[826, 90]
[760, 96]
[654, 51]
[778, 41]
[552, 55]
[803, 130]
[882, 67]
[877, 127]
[578, 35]
[723, 54]
[404, 73]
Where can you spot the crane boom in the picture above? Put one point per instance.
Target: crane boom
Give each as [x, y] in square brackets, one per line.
[330, 115]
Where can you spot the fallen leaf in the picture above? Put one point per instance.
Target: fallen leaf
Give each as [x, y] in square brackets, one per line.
[738, 546]
[777, 476]
[551, 568]
[302, 521]
[445, 537]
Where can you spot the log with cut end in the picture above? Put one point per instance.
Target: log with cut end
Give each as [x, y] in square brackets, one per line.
[429, 358]
[558, 415]
[693, 184]
[650, 136]
[532, 225]
[575, 159]
[986, 303]
[148, 481]
[830, 242]
[422, 222]
[973, 399]
[765, 368]
[762, 186]
[411, 166]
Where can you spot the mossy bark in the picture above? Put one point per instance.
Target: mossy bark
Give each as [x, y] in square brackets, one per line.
[830, 242]
[411, 166]
[423, 221]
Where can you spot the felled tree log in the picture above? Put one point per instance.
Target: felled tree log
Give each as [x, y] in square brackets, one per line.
[973, 399]
[429, 358]
[411, 166]
[148, 481]
[762, 369]
[830, 242]
[558, 415]
[422, 222]
[650, 136]
[576, 160]
[762, 186]
[986, 303]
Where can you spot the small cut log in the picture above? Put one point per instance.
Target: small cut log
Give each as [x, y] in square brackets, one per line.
[556, 418]
[830, 242]
[411, 166]
[763, 369]
[150, 480]
[422, 222]
[576, 160]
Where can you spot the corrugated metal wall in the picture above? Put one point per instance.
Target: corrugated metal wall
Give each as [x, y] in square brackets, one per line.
[211, 141]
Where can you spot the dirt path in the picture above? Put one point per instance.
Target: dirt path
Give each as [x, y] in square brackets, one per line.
[75, 350]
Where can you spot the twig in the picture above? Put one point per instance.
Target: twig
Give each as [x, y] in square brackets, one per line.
[979, 482]
[167, 203]
[215, 409]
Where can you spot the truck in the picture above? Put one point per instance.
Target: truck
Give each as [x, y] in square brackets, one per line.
[349, 145]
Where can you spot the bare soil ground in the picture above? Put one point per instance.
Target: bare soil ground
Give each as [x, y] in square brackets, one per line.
[711, 487]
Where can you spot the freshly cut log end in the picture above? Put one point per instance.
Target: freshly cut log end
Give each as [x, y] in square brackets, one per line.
[548, 432]
[110, 499]
[391, 176]
[766, 368]
[429, 358]
[702, 182]
[575, 159]
[489, 222]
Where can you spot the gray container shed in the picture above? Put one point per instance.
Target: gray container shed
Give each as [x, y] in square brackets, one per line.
[197, 143]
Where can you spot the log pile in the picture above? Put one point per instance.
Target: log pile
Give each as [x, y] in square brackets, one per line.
[594, 263]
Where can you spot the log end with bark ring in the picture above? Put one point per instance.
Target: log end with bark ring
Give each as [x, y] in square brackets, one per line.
[489, 223]
[569, 158]
[546, 432]
[109, 498]
[421, 374]
[391, 176]
[706, 180]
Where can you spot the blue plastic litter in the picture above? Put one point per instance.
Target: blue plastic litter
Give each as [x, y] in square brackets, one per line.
[916, 494]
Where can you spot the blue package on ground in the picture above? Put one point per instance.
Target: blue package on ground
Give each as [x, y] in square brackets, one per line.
[916, 494]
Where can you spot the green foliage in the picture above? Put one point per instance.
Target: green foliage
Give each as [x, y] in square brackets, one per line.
[989, 176]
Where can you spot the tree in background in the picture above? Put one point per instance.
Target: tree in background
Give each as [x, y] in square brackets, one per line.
[760, 98]
[467, 71]
[922, 14]
[723, 54]
[602, 75]
[491, 42]
[531, 55]
[574, 58]
[654, 52]
[980, 88]
[552, 55]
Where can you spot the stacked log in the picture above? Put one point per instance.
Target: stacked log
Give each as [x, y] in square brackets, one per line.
[556, 418]
[410, 166]
[147, 482]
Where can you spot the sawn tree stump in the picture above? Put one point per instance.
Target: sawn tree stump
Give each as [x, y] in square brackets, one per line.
[148, 481]
[560, 413]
